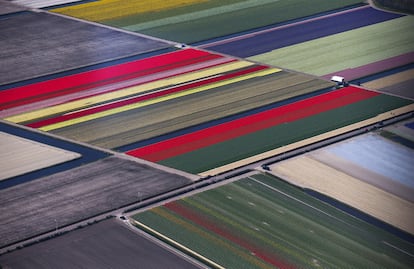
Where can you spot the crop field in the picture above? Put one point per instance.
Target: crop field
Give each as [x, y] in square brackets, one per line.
[345, 50]
[120, 105]
[262, 222]
[96, 119]
[189, 21]
[369, 172]
[225, 143]
[345, 43]
[279, 36]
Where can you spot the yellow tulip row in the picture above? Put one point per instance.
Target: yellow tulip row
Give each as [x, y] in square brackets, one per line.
[112, 9]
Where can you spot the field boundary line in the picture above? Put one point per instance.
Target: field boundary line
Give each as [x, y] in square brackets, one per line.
[300, 201]
[177, 245]
[308, 141]
[397, 248]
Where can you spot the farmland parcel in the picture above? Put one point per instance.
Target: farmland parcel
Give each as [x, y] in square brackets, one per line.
[262, 222]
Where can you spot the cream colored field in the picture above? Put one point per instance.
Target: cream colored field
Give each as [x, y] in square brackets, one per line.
[19, 156]
[307, 172]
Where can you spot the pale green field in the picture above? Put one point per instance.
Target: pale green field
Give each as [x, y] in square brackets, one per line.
[345, 50]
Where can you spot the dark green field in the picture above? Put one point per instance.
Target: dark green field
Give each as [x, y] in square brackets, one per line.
[260, 222]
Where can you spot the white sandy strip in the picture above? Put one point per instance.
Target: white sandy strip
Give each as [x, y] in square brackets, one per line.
[19, 156]
[177, 245]
[309, 173]
[42, 3]
[308, 141]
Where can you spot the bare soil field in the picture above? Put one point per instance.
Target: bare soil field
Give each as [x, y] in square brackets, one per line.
[104, 245]
[39, 206]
